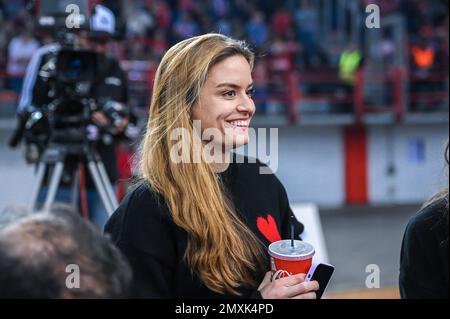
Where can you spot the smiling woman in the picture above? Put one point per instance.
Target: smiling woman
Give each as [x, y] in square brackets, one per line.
[225, 100]
[193, 229]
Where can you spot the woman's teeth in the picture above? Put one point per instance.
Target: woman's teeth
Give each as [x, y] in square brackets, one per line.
[239, 123]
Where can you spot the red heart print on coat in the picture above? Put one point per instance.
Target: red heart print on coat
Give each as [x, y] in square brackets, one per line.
[268, 227]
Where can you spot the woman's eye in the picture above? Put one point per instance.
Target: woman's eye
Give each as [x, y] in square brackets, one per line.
[230, 94]
[251, 92]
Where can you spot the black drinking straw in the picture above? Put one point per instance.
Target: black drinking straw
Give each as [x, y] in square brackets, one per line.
[292, 231]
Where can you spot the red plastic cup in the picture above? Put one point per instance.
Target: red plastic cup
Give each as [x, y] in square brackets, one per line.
[287, 260]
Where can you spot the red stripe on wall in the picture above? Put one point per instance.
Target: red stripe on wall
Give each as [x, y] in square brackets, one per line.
[356, 179]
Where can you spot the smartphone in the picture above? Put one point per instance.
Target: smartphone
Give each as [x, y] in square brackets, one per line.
[322, 273]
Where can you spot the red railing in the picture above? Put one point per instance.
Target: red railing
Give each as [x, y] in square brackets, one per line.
[288, 85]
[324, 84]
[284, 84]
[398, 76]
[437, 85]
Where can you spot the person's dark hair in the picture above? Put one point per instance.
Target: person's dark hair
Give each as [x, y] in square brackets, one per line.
[35, 253]
[446, 199]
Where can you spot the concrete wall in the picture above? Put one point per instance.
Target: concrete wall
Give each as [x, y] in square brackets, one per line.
[415, 153]
[310, 164]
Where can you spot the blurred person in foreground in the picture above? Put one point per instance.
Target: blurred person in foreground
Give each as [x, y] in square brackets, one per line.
[199, 227]
[425, 251]
[38, 253]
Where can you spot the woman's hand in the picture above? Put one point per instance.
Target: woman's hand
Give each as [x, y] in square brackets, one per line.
[292, 287]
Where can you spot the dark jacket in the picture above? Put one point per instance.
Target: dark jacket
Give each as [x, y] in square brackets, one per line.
[424, 256]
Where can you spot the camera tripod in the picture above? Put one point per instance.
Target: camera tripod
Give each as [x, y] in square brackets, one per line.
[56, 156]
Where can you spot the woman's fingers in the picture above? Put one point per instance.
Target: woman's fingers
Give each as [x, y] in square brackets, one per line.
[305, 288]
[293, 286]
[291, 280]
[266, 280]
[309, 295]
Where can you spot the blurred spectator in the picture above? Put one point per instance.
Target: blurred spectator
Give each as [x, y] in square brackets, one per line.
[349, 63]
[283, 50]
[162, 14]
[224, 26]
[388, 49]
[281, 21]
[422, 57]
[12, 7]
[206, 22]
[243, 9]
[238, 28]
[158, 44]
[36, 250]
[260, 80]
[187, 5]
[257, 29]
[185, 27]
[20, 50]
[139, 21]
[220, 8]
[307, 23]
[137, 50]
[429, 74]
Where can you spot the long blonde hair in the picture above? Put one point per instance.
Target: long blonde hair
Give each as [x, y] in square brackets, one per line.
[221, 249]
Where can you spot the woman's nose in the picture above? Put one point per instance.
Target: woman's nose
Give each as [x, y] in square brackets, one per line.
[246, 104]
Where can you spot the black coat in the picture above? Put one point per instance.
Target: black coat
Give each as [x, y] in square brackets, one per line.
[425, 251]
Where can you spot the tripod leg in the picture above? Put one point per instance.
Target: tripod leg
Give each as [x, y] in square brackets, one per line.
[83, 196]
[37, 184]
[107, 183]
[54, 183]
[75, 189]
[93, 169]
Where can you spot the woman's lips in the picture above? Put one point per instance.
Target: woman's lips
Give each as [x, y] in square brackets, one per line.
[238, 124]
